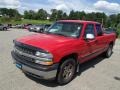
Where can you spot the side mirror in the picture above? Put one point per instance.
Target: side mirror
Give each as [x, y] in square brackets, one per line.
[89, 37]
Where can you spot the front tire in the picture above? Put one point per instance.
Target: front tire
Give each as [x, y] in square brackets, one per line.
[66, 71]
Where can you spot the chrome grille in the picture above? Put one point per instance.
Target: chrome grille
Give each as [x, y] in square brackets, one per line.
[20, 51]
[24, 50]
[22, 57]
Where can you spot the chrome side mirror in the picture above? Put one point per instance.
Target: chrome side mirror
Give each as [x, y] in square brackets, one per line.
[89, 37]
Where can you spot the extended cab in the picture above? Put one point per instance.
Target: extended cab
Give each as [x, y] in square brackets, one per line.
[58, 52]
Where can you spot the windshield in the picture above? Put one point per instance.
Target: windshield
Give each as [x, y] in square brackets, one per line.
[66, 29]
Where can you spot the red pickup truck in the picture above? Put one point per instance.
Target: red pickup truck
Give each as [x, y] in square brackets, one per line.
[57, 53]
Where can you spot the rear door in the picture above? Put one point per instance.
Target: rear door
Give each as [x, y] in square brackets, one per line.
[100, 37]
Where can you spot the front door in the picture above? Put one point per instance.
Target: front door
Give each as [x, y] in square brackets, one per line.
[90, 45]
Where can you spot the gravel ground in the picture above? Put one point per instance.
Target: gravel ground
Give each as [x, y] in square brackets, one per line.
[97, 74]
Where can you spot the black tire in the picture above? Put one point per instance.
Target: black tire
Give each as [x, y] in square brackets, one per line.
[66, 71]
[109, 51]
[4, 29]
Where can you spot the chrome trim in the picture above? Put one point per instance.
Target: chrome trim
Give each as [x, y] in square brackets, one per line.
[43, 74]
[30, 56]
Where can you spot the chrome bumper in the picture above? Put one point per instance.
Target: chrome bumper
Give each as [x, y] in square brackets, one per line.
[35, 70]
[40, 74]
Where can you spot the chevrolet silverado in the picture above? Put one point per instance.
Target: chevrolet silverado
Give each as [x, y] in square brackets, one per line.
[57, 53]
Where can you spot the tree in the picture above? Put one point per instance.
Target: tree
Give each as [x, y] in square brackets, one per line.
[82, 15]
[77, 15]
[59, 14]
[4, 11]
[41, 14]
[9, 12]
[64, 16]
[118, 19]
[29, 14]
[72, 15]
[26, 14]
[54, 14]
[113, 20]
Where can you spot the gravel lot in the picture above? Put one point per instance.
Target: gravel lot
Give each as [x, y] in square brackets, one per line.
[98, 74]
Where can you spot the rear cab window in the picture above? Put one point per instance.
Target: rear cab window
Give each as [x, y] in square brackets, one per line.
[99, 29]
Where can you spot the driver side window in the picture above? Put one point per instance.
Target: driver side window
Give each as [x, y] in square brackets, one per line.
[89, 29]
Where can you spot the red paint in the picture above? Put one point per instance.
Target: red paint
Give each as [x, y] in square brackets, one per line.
[61, 46]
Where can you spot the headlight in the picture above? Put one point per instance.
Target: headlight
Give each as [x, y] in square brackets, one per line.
[44, 55]
[44, 58]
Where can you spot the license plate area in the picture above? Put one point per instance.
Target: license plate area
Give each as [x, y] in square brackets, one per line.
[19, 66]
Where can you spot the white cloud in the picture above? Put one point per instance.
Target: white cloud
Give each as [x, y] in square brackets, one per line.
[62, 7]
[56, 1]
[107, 7]
[58, 4]
[68, 5]
[65, 5]
[10, 3]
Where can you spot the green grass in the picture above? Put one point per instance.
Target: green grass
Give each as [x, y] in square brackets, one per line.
[25, 21]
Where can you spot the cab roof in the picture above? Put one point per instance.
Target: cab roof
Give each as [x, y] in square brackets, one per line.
[79, 21]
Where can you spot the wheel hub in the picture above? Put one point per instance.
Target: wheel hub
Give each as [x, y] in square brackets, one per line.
[68, 70]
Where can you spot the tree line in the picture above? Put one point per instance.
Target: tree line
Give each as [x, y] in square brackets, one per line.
[107, 20]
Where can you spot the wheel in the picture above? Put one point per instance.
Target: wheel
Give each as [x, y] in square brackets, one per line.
[5, 29]
[109, 51]
[66, 71]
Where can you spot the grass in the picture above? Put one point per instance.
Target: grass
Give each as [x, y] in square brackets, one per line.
[26, 21]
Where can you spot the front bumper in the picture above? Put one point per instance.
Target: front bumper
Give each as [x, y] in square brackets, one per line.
[35, 70]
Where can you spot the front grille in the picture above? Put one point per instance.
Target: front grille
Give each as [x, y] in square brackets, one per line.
[21, 48]
[25, 58]
[25, 50]
[29, 62]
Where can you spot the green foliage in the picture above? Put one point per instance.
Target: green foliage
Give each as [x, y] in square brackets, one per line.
[5, 20]
[29, 14]
[13, 16]
[40, 15]
[72, 15]
[28, 21]
[58, 15]
[118, 29]
[53, 15]
[64, 16]
[9, 12]
[7, 15]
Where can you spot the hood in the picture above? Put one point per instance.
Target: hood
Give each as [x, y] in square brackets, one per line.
[45, 41]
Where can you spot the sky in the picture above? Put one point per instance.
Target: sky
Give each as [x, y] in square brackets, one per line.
[106, 6]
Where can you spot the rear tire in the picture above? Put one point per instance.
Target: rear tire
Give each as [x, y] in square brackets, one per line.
[109, 51]
[66, 71]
